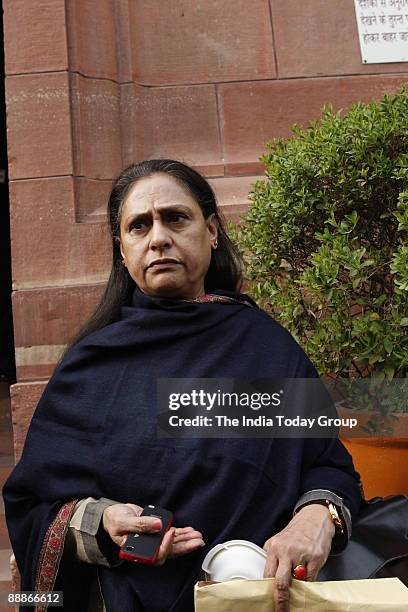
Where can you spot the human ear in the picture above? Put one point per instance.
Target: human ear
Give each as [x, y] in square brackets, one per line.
[212, 226]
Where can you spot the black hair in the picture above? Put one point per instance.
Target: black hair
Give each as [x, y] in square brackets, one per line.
[224, 272]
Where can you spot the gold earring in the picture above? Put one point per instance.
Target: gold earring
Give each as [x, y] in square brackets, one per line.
[215, 245]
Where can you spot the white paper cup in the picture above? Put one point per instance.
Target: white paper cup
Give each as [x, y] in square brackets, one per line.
[234, 560]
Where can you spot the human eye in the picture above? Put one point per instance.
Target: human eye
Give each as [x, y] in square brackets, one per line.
[176, 217]
[137, 226]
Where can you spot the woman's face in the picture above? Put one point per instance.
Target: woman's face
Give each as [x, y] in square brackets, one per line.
[164, 239]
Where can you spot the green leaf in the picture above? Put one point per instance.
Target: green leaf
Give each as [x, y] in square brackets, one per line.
[389, 371]
[388, 345]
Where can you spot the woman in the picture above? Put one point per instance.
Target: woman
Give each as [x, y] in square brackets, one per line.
[92, 459]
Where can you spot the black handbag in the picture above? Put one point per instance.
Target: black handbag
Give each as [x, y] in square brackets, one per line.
[378, 547]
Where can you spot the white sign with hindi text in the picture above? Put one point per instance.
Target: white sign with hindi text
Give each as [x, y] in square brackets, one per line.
[383, 30]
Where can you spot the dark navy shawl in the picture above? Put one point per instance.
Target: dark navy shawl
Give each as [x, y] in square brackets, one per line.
[94, 434]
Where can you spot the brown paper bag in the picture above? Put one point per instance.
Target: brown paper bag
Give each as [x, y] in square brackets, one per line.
[376, 595]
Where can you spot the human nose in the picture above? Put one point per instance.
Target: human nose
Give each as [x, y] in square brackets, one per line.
[159, 236]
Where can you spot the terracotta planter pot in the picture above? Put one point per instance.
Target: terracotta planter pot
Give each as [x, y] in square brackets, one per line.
[381, 461]
[382, 464]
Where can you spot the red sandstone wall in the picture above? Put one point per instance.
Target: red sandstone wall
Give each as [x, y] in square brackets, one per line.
[93, 85]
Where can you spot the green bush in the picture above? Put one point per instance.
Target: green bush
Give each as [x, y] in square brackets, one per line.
[325, 238]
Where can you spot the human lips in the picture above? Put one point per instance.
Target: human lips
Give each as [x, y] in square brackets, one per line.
[163, 262]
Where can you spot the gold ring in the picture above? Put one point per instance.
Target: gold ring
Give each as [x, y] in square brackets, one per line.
[300, 572]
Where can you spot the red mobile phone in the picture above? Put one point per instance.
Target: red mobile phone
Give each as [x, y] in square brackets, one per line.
[144, 547]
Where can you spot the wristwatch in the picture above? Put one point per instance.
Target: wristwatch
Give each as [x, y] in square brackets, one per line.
[337, 521]
[340, 537]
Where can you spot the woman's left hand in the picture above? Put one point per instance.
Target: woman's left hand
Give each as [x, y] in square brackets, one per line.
[176, 542]
[306, 540]
[179, 541]
[186, 539]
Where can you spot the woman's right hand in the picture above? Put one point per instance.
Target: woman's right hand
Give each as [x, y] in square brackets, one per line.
[121, 519]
